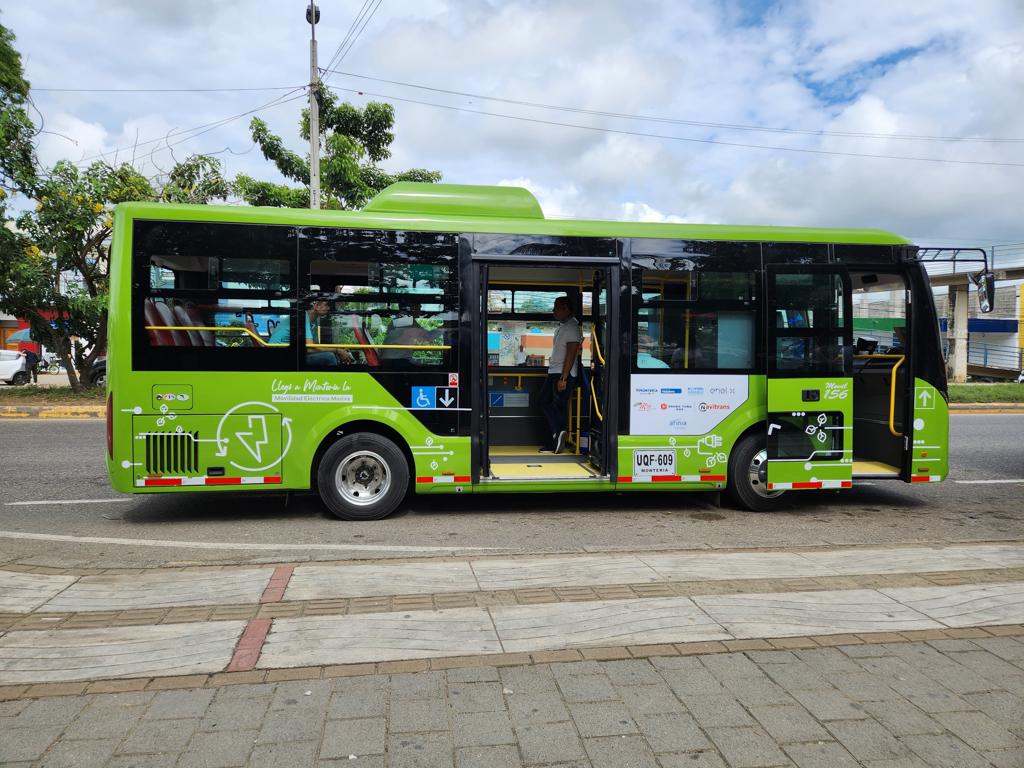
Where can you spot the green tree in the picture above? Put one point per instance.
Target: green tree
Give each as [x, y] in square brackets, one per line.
[55, 257]
[353, 142]
[17, 153]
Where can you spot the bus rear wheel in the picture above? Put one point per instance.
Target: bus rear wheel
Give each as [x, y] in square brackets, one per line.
[363, 477]
[748, 483]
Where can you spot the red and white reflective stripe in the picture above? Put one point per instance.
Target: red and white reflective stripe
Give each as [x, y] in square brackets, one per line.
[810, 485]
[157, 482]
[444, 479]
[926, 478]
[672, 479]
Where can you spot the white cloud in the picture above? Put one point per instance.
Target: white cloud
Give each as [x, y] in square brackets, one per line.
[942, 68]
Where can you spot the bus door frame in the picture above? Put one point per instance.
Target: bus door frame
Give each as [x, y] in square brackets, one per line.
[479, 277]
[809, 400]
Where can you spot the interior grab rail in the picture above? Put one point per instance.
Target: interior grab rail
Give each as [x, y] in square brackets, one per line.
[900, 359]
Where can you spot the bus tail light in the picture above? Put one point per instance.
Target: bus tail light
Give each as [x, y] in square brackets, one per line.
[110, 424]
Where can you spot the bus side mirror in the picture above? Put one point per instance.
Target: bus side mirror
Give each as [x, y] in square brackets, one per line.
[985, 284]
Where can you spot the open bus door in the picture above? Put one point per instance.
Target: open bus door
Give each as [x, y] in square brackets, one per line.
[809, 350]
[595, 383]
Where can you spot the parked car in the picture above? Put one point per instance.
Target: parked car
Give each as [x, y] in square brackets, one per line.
[98, 373]
[12, 368]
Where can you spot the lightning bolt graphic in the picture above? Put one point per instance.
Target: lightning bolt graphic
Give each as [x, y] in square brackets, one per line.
[256, 448]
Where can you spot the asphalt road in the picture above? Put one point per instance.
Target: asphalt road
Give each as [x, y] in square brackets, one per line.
[47, 461]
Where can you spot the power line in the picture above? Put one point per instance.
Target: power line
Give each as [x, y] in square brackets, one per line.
[623, 132]
[199, 129]
[350, 39]
[348, 34]
[677, 121]
[165, 90]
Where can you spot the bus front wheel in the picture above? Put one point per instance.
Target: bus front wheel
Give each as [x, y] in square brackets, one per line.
[748, 484]
[363, 477]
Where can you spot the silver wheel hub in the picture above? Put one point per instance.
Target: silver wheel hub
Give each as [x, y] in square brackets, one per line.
[362, 478]
[757, 475]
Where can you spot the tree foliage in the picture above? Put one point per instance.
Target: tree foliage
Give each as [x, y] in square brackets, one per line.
[17, 154]
[55, 254]
[353, 142]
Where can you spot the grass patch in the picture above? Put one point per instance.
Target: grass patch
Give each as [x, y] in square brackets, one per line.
[33, 395]
[986, 393]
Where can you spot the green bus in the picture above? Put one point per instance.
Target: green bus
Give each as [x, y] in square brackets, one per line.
[367, 354]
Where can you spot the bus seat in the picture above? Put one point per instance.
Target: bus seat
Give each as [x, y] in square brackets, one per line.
[196, 318]
[181, 317]
[166, 317]
[361, 338]
[153, 316]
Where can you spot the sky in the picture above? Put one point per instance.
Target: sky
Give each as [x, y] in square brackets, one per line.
[805, 111]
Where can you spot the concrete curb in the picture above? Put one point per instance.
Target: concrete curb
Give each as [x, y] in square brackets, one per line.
[53, 411]
[988, 407]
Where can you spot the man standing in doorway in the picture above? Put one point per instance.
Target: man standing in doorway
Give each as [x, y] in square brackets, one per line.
[563, 370]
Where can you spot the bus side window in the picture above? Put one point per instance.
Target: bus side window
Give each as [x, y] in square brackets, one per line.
[212, 296]
[694, 307]
[396, 312]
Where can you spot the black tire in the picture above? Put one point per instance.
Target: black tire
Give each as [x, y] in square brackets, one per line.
[363, 477]
[20, 378]
[746, 486]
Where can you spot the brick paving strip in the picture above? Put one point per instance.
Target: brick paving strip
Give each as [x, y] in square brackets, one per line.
[649, 625]
[935, 699]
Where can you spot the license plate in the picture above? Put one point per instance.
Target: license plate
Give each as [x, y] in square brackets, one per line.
[654, 462]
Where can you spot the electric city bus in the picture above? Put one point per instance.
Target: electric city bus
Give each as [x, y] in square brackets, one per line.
[403, 347]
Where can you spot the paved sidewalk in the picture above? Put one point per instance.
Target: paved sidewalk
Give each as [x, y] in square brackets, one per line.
[941, 703]
[67, 628]
[887, 657]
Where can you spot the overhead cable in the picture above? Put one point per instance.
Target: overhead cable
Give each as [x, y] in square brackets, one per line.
[643, 134]
[167, 90]
[679, 121]
[198, 130]
[350, 39]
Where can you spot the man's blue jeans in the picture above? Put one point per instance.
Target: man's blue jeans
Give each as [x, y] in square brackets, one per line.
[555, 404]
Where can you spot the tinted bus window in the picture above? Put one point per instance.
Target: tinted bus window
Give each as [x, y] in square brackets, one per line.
[694, 306]
[210, 297]
[379, 300]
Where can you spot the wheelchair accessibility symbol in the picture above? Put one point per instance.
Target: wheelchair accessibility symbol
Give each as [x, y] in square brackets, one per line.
[424, 397]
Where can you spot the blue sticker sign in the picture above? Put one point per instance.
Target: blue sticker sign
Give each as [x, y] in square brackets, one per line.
[424, 397]
[497, 399]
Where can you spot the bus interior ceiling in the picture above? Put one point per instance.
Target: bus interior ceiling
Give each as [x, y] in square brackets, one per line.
[879, 410]
[520, 330]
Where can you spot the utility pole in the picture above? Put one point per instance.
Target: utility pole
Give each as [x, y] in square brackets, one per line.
[313, 16]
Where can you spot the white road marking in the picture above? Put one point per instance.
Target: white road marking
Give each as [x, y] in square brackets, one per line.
[63, 501]
[237, 546]
[987, 482]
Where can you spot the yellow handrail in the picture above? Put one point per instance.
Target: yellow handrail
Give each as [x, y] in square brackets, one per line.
[237, 329]
[378, 346]
[593, 394]
[900, 359]
[260, 341]
[597, 348]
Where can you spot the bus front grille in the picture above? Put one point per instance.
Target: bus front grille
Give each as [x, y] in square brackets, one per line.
[172, 453]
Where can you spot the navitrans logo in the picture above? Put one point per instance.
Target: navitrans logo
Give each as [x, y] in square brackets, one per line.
[695, 390]
[705, 407]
